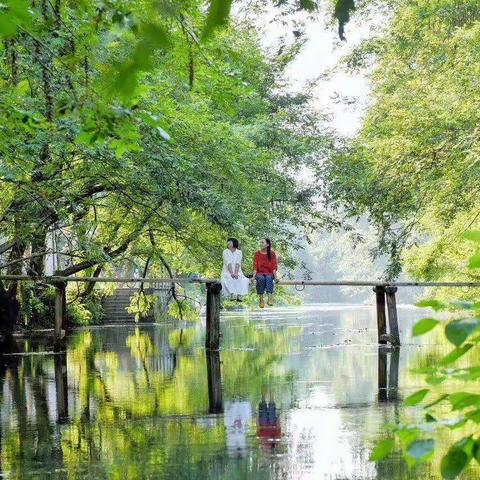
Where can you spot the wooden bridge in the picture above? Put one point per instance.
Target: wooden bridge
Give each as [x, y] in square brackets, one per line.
[385, 296]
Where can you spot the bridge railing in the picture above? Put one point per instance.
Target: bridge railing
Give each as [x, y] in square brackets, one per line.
[384, 295]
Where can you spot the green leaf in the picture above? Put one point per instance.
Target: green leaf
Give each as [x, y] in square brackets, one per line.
[382, 449]
[308, 5]
[460, 400]
[459, 330]
[466, 444]
[456, 354]
[476, 451]
[423, 326]
[463, 305]
[474, 261]
[435, 379]
[453, 463]
[217, 16]
[408, 435]
[343, 8]
[152, 37]
[473, 235]
[22, 88]
[474, 416]
[433, 304]
[419, 449]
[430, 418]
[415, 398]
[14, 14]
[438, 400]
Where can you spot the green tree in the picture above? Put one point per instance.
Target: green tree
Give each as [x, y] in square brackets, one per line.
[413, 168]
[130, 132]
[457, 408]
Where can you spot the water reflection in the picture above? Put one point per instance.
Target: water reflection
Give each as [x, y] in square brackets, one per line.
[268, 423]
[238, 415]
[61, 387]
[214, 378]
[388, 384]
[294, 393]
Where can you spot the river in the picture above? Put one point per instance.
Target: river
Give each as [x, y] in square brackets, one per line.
[130, 402]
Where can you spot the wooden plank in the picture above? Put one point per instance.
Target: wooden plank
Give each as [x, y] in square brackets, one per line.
[393, 374]
[382, 374]
[381, 314]
[56, 279]
[392, 315]
[373, 283]
[339, 283]
[212, 336]
[214, 374]
[61, 387]
[59, 316]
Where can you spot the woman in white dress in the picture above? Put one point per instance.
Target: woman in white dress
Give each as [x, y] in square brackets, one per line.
[234, 283]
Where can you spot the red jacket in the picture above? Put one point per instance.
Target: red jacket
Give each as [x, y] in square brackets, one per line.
[262, 265]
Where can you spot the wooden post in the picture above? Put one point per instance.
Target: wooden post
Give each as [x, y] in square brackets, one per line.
[382, 374]
[212, 337]
[381, 315]
[61, 387]
[59, 315]
[392, 315]
[393, 375]
[215, 400]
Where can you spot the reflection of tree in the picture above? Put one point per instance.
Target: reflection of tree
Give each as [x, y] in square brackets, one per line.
[129, 417]
[28, 439]
[253, 357]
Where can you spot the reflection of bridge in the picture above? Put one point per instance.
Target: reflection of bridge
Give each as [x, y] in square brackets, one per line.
[385, 294]
[387, 381]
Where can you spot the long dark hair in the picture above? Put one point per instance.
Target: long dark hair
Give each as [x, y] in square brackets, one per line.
[269, 248]
[234, 242]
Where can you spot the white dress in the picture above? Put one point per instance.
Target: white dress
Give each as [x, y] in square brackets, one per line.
[233, 286]
[237, 418]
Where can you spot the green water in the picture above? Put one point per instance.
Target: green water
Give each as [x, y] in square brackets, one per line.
[133, 403]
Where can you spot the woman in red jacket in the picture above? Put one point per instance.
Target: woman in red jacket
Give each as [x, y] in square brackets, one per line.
[265, 266]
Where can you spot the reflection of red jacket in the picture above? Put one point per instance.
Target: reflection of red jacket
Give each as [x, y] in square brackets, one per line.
[262, 264]
[269, 432]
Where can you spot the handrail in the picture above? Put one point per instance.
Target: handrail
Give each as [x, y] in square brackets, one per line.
[58, 279]
[354, 283]
[195, 279]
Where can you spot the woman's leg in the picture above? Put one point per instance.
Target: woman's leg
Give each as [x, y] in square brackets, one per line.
[260, 279]
[269, 288]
